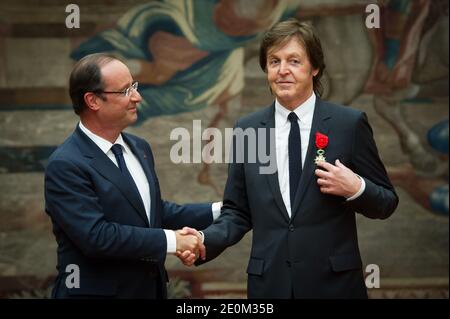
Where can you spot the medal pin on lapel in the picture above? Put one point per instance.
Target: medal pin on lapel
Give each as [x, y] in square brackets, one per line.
[321, 143]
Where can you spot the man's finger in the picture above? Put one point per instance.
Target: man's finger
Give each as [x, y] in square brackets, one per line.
[324, 189]
[202, 251]
[322, 174]
[183, 254]
[325, 165]
[189, 261]
[182, 232]
[339, 164]
[189, 230]
[323, 182]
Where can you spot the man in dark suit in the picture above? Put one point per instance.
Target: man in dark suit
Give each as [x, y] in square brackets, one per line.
[112, 228]
[304, 230]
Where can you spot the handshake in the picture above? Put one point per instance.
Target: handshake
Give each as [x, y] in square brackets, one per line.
[189, 245]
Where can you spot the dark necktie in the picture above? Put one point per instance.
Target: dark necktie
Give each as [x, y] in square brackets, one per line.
[295, 156]
[117, 150]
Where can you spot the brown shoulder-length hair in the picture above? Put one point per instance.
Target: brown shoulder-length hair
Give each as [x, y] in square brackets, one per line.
[284, 31]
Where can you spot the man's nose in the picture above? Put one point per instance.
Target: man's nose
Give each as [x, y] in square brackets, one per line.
[135, 96]
[283, 68]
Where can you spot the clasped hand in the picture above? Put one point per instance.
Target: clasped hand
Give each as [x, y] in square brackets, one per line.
[337, 179]
[189, 245]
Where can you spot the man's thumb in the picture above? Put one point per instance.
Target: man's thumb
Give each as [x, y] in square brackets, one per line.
[187, 230]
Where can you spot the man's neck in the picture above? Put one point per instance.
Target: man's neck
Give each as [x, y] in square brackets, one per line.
[108, 133]
[292, 105]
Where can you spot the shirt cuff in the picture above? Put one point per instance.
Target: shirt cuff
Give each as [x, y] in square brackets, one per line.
[215, 208]
[361, 189]
[171, 241]
[202, 235]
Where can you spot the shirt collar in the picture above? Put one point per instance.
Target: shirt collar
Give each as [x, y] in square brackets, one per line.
[103, 144]
[304, 111]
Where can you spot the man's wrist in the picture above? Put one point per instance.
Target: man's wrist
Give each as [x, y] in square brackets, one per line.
[215, 208]
[362, 187]
[171, 239]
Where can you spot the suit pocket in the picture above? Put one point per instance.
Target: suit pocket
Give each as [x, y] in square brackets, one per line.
[255, 267]
[92, 286]
[345, 262]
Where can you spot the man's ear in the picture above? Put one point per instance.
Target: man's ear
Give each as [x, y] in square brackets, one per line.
[315, 72]
[92, 101]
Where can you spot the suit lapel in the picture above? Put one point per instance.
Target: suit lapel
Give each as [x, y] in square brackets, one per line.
[104, 166]
[319, 124]
[143, 158]
[269, 123]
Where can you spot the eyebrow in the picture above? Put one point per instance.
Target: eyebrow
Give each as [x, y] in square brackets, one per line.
[125, 86]
[291, 55]
[128, 85]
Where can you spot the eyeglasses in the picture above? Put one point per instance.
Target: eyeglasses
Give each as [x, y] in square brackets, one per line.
[127, 92]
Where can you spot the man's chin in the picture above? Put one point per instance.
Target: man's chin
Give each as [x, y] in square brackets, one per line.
[284, 95]
[133, 118]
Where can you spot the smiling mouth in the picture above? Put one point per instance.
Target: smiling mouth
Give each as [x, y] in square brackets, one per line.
[284, 85]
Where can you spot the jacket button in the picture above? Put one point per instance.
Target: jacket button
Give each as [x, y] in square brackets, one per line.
[291, 227]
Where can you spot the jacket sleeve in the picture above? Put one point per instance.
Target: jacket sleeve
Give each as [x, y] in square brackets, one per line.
[379, 199]
[198, 216]
[235, 218]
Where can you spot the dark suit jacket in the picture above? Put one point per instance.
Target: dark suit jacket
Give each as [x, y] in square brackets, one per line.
[101, 226]
[315, 253]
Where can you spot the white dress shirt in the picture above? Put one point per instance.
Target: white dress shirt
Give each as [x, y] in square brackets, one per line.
[139, 178]
[305, 114]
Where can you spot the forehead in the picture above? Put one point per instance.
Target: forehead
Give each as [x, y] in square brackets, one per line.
[115, 72]
[290, 46]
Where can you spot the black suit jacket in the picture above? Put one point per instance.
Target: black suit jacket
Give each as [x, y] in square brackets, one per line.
[313, 254]
[101, 226]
